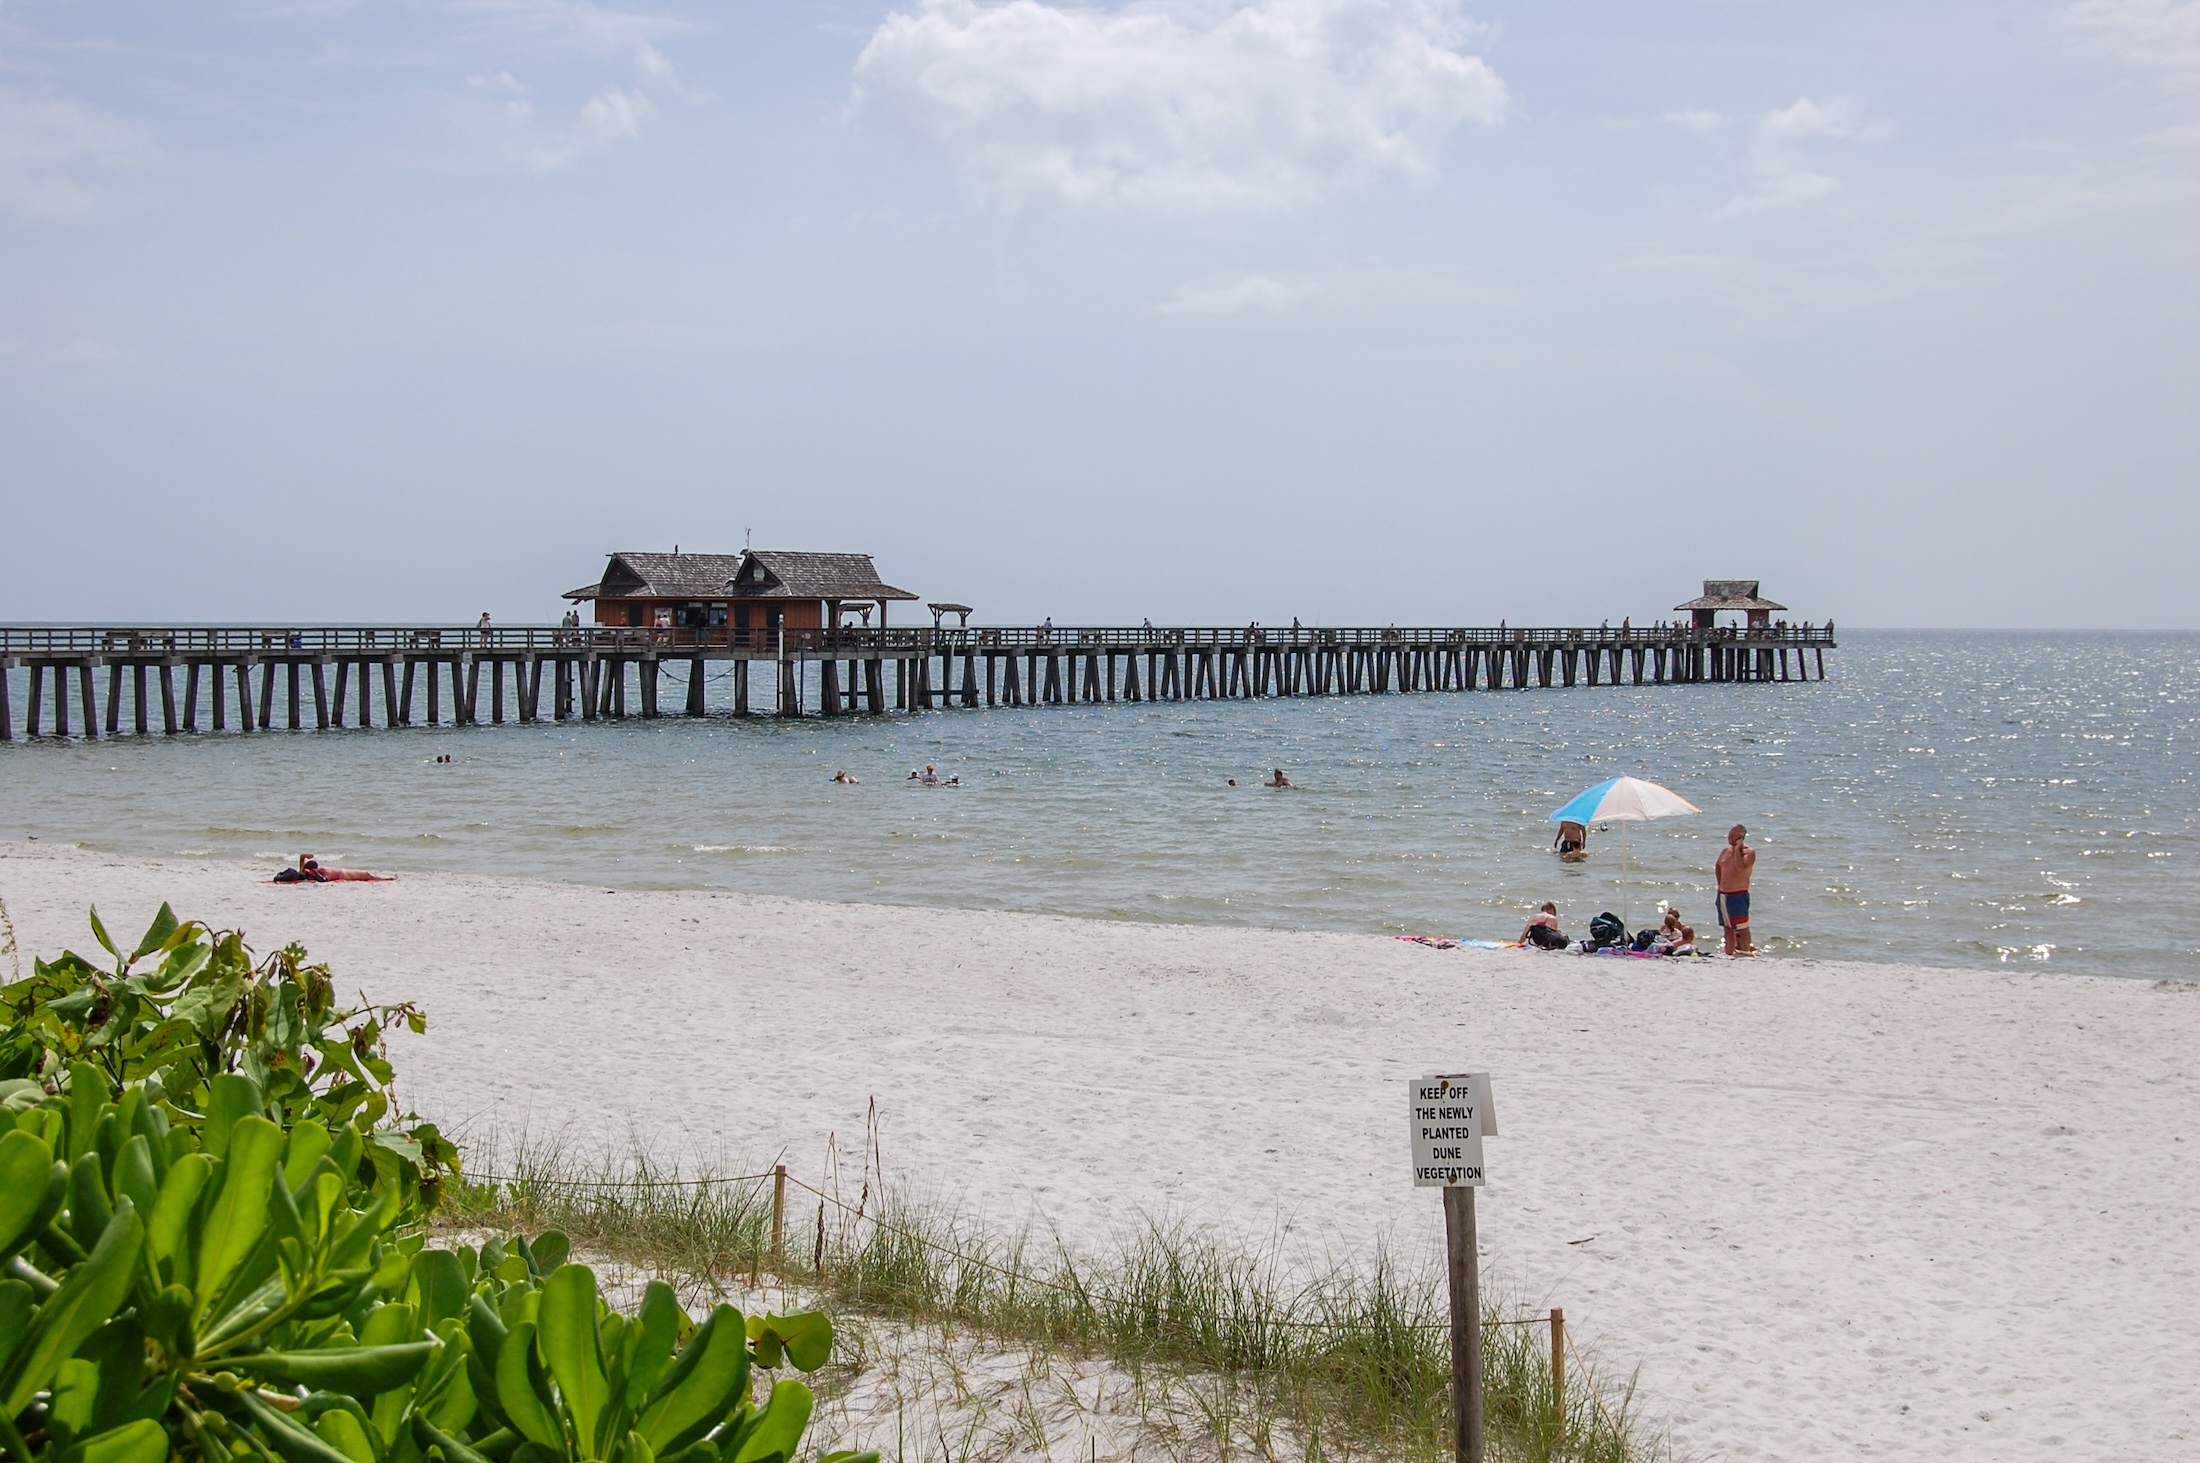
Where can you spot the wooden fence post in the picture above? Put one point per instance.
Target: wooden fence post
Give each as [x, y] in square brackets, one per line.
[1464, 1265]
[1558, 1379]
[779, 1211]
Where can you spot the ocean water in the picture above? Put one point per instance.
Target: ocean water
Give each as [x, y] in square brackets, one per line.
[2017, 800]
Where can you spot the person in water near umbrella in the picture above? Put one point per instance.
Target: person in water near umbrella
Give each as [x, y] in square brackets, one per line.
[1278, 780]
[1737, 861]
[1572, 843]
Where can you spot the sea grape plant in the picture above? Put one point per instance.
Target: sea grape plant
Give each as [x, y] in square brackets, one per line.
[186, 1005]
[236, 1281]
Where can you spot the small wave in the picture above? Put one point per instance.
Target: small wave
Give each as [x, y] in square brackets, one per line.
[193, 853]
[739, 848]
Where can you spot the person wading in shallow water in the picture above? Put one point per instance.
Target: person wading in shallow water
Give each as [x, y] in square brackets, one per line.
[1737, 861]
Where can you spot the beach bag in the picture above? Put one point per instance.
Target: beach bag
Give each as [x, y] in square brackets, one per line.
[1645, 939]
[1605, 931]
[1543, 937]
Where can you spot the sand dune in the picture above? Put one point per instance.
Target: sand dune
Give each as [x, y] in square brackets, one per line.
[1832, 1210]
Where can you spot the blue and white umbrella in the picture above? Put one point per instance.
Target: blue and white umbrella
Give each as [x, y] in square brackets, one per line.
[1624, 800]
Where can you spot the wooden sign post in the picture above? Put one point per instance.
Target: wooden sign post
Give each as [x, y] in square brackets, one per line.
[1448, 1117]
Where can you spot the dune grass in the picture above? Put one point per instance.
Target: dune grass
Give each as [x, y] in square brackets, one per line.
[1339, 1362]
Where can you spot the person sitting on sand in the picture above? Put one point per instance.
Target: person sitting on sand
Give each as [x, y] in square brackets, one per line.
[310, 871]
[1542, 930]
[1279, 780]
[1572, 843]
[1673, 930]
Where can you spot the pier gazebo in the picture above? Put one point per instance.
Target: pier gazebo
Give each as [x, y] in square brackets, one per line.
[1737, 595]
[764, 589]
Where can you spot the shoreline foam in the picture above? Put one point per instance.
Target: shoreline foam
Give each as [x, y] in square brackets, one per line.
[1829, 1207]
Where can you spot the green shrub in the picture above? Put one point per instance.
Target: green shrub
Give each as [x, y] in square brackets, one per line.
[205, 1253]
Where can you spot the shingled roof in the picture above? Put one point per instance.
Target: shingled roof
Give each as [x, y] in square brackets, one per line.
[786, 575]
[662, 576]
[1730, 594]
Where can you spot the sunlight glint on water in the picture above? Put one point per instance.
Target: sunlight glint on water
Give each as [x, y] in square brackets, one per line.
[1958, 799]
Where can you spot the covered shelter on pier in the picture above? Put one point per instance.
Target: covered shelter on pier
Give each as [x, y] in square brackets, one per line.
[1737, 595]
[756, 589]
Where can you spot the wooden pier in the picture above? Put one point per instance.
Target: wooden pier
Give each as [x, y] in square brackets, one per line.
[94, 682]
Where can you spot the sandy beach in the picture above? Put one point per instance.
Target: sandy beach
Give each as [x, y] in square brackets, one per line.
[1831, 1210]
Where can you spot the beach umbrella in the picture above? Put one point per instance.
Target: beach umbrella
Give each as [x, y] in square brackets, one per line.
[1624, 800]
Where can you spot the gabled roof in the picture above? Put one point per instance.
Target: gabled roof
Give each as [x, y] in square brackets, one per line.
[634, 575]
[1730, 594]
[781, 574]
[662, 576]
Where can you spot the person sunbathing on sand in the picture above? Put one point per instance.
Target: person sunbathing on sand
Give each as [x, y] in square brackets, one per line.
[310, 871]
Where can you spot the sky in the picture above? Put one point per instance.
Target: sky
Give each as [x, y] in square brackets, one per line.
[1363, 311]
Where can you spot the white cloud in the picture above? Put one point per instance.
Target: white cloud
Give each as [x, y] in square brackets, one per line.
[1255, 292]
[46, 142]
[606, 119]
[1179, 105]
[2157, 35]
[1695, 119]
[1781, 158]
[515, 132]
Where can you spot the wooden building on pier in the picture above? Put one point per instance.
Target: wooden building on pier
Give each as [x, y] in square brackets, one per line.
[762, 589]
[1734, 595]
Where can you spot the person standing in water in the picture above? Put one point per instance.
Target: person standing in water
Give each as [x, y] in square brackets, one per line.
[1737, 861]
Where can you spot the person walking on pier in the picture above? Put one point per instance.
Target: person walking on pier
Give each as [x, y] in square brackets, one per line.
[1737, 861]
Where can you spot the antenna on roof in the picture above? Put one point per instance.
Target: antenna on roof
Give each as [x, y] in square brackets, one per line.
[746, 534]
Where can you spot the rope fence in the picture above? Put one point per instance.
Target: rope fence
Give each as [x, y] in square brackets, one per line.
[1561, 1340]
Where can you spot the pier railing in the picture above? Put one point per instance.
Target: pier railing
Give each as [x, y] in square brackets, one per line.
[354, 641]
[280, 671]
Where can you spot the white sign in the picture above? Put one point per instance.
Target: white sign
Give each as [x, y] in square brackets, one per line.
[1448, 1117]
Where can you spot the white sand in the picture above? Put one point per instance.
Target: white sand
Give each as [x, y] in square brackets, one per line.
[1832, 1210]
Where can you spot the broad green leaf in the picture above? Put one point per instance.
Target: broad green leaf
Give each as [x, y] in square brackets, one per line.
[804, 1339]
[429, 1436]
[289, 1439]
[440, 1281]
[133, 1175]
[16, 1304]
[346, 1434]
[143, 1441]
[99, 933]
[551, 1249]
[238, 1214]
[653, 1338]
[308, 1141]
[87, 1095]
[778, 1432]
[711, 1377]
[164, 924]
[25, 1164]
[84, 1301]
[574, 1350]
[229, 1099]
[89, 1209]
[521, 1391]
[179, 1195]
[355, 1371]
[75, 1394]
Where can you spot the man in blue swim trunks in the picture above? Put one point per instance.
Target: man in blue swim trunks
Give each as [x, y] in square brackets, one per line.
[1737, 861]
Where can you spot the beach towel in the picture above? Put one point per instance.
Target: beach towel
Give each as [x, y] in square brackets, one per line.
[1434, 942]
